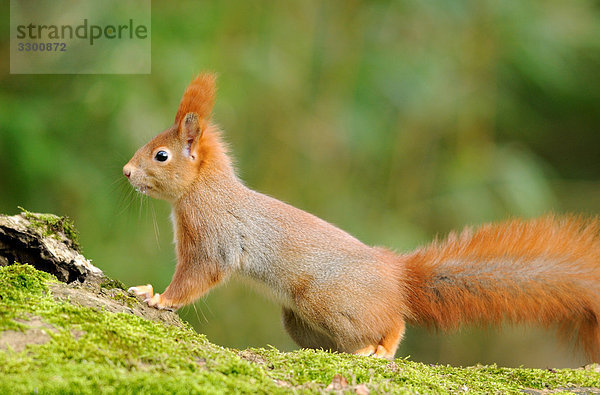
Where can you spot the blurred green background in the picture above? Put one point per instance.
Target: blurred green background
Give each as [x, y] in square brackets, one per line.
[395, 120]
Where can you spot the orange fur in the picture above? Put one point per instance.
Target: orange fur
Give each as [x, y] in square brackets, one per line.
[199, 97]
[544, 271]
[190, 281]
[338, 293]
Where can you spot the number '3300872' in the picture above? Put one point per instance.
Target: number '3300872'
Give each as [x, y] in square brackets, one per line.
[42, 47]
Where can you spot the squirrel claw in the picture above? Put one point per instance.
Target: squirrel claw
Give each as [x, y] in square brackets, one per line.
[159, 302]
[151, 299]
[382, 352]
[154, 301]
[378, 351]
[366, 351]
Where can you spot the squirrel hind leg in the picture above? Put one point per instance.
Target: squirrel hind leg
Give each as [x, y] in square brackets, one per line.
[387, 345]
[307, 336]
[304, 334]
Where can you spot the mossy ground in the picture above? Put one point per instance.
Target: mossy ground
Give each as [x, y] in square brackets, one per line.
[91, 351]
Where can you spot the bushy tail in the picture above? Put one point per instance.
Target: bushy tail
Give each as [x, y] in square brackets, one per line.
[544, 271]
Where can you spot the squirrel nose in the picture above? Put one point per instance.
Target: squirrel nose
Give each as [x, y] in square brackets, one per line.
[127, 170]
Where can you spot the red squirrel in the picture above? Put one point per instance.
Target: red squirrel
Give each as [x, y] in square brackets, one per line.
[338, 293]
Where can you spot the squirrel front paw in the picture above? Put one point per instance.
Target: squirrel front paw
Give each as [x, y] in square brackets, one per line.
[154, 300]
[142, 290]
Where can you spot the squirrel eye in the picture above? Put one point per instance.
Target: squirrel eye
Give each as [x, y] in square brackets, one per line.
[161, 156]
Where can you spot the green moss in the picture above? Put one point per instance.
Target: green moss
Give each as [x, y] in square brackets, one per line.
[109, 283]
[116, 290]
[92, 351]
[52, 225]
[19, 285]
[124, 298]
[402, 375]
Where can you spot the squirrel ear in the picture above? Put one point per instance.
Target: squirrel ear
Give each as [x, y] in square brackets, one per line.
[190, 130]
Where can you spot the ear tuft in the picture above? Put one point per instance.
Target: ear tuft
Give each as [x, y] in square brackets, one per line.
[199, 97]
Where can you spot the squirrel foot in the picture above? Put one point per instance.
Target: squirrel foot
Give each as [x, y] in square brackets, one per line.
[377, 351]
[366, 351]
[387, 346]
[155, 300]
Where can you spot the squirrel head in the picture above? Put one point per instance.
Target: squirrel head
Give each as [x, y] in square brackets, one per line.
[168, 165]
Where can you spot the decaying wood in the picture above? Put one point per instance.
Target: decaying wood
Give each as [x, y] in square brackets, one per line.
[24, 240]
